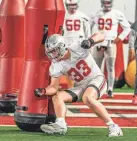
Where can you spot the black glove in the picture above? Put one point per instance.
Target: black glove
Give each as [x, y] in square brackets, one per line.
[86, 44]
[40, 92]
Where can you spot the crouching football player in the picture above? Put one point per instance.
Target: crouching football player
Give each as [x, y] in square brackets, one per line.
[89, 82]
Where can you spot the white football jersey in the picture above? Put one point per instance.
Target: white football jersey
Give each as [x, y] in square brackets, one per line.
[108, 24]
[81, 66]
[76, 26]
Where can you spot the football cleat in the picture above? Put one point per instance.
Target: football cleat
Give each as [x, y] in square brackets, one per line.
[54, 128]
[115, 131]
[110, 94]
[134, 101]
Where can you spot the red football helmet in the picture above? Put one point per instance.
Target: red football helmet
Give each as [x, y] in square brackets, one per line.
[106, 5]
[71, 5]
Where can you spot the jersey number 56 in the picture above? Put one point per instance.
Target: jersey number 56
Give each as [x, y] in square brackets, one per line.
[73, 25]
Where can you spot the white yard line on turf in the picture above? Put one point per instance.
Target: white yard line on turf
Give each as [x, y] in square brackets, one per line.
[96, 127]
[88, 115]
[118, 93]
[108, 107]
[115, 101]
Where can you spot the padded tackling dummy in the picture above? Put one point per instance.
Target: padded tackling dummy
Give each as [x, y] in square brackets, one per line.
[130, 74]
[119, 66]
[11, 51]
[42, 18]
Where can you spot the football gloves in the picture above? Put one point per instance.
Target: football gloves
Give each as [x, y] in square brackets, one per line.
[40, 92]
[86, 44]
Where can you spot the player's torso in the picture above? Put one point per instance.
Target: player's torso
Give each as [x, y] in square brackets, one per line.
[107, 23]
[74, 26]
[81, 70]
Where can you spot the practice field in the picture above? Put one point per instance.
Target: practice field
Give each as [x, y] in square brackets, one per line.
[74, 134]
[124, 89]
[13, 133]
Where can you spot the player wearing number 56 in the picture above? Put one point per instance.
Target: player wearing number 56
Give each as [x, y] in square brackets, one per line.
[89, 82]
[76, 24]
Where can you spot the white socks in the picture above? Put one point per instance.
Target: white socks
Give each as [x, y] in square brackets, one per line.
[110, 123]
[61, 121]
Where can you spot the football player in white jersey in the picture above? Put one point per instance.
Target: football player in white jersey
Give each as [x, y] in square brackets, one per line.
[76, 24]
[89, 82]
[133, 46]
[107, 21]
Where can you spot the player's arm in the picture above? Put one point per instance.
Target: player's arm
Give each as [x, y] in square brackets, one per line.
[92, 22]
[55, 73]
[50, 90]
[53, 87]
[94, 39]
[86, 28]
[132, 38]
[125, 26]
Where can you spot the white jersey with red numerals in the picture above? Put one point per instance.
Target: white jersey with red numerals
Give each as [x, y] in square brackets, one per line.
[108, 24]
[76, 26]
[81, 67]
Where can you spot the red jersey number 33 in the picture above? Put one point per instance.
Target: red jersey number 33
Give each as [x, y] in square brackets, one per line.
[80, 71]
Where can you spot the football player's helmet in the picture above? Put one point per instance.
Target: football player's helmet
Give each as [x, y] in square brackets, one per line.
[55, 47]
[71, 5]
[106, 5]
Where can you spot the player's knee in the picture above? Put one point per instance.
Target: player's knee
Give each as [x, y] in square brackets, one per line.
[56, 98]
[88, 99]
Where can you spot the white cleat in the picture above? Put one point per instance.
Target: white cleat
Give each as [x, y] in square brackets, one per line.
[54, 128]
[115, 131]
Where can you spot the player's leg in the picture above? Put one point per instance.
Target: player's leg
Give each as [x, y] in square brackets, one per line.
[90, 97]
[60, 126]
[59, 101]
[110, 56]
[97, 55]
[96, 89]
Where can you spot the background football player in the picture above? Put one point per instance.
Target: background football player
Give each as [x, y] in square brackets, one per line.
[76, 23]
[107, 21]
[89, 82]
[133, 46]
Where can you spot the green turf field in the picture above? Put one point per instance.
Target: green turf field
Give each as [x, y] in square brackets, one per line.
[74, 134]
[124, 89]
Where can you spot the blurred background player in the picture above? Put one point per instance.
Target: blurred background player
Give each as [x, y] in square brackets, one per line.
[107, 21]
[131, 38]
[76, 24]
[132, 55]
[89, 82]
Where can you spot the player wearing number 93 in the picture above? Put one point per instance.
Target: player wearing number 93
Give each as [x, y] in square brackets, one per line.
[107, 20]
[76, 24]
[89, 82]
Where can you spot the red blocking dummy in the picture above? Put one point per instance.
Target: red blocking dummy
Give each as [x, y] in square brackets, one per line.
[11, 47]
[119, 65]
[32, 111]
